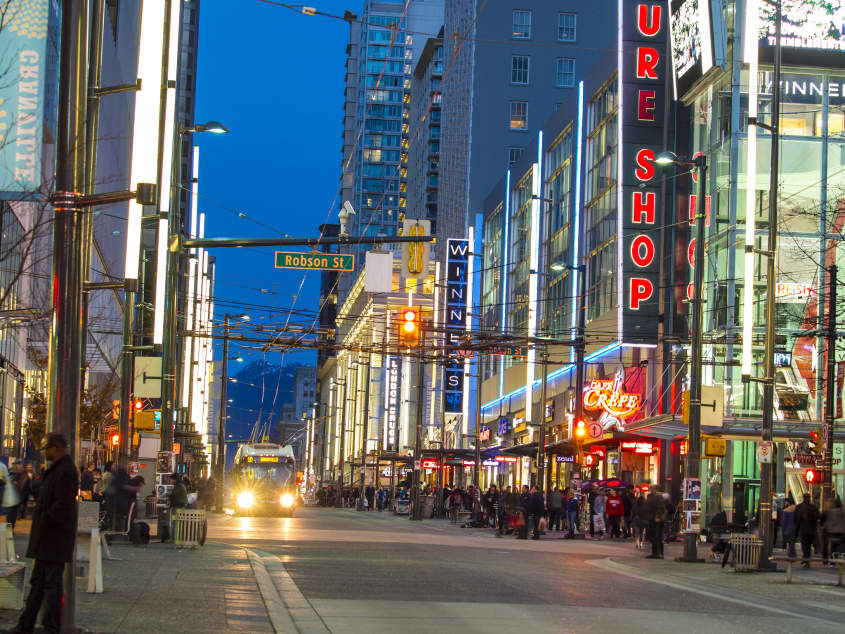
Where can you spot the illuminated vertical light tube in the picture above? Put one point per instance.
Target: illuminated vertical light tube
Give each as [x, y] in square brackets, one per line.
[331, 420]
[195, 194]
[751, 57]
[144, 136]
[467, 362]
[576, 248]
[209, 357]
[620, 283]
[336, 418]
[533, 274]
[190, 325]
[436, 319]
[161, 280]
[505, 255]
[199, 350]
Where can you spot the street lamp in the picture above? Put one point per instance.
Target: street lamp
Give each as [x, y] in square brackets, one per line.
[692, 460]
[221, 428]
[169, 303]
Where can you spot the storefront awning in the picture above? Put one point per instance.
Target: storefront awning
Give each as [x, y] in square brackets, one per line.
[528, 449]
[562, 448]
[669, 427]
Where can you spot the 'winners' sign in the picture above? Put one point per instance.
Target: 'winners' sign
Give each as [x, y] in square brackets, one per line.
[457, 280]
[643, 77]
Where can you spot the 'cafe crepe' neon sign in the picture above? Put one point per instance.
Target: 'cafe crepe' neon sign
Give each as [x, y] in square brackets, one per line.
[604, 395]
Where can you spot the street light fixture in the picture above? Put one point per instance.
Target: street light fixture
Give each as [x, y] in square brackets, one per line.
[215, 127]
[692, 460]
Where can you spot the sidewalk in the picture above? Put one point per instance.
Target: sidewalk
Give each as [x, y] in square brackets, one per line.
[158, 588]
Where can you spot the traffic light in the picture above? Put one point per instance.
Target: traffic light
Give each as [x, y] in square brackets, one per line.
[816, 441]
[139, 405]
[813, 476]
[409, 327]
[115, 440]
[580, 429]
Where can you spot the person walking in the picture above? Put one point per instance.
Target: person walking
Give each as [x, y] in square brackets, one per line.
[572, 508]
[599, 508]
[12, 493]
[504, 510]
[638, 524]
[656, 513]
[370, 493]
[524, 500]
[787, 526]
[806, 527]
[833, 529]
[51, 538]
[615, 510]
[555, 509]
[456, 500]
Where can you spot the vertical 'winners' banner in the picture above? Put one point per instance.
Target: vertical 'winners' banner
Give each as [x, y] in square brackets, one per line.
[643, 77]
[457, 265]
[23, 64]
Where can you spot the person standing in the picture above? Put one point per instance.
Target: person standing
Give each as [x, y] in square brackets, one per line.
[572, 508]
[833, 525]
[599, 507]
[86, 481]
[555, 509]
[535, 510]
[787, 526]
[656, 513]
[806, 527]
[12, 493]
[370, 493]
[615, 512]
[52, 537]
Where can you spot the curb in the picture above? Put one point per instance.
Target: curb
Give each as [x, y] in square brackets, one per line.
[279, 616]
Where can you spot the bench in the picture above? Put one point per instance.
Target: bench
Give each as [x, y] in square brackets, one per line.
[837, 559]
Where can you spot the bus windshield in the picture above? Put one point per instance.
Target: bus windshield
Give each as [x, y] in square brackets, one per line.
[276, 474]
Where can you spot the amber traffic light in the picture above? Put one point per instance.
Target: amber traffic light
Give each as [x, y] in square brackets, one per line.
[409, 327]
[580, 429]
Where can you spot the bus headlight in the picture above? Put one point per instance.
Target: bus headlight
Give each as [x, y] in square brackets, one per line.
[245, 500]
[287, 500]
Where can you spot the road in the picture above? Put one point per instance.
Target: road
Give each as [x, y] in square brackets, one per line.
[343, 572]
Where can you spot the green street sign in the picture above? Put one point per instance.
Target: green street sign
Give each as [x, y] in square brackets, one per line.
[508, 351]
[319, 261]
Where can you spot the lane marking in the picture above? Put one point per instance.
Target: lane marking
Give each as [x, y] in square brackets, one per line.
[608, 564]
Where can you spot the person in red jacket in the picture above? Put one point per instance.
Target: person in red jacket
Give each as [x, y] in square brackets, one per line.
[615, 511]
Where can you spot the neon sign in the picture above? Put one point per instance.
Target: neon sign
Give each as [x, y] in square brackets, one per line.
[591, 460]
[604, 395]
[508, 459]
[489, 463]
[429, 463]
[644, 448]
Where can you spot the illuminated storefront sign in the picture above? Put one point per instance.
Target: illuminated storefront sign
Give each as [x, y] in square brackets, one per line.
[429, 463]
[567, 459]
[508, 459]
[605, 395]
[641, 447]
[457, 281]
[642, 75]
[489, 463]
[794, 292]
[504, 426]
[692, 47]
[391, 402]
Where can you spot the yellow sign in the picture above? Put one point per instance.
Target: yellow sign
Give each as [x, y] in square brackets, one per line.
[145, 420]
[715, 447]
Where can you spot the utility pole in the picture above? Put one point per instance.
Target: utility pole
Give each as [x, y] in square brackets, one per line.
[66, 335]
[417, 514]
[830, 390]
[541, 441]
[365, 434]
[764, 508]
[221, 425]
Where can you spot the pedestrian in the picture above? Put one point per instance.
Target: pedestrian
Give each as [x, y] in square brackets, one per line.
[12, 493]
[26, 490]
[456, 499]
[504, 510]
[833, 526]
[572, 507]
[535, 510]
[51, 538]
[615, 510]
[86, 482]
[522, 522]
[638, 524]
[599, 507]
[555, 509]
[787, 526]
[628, 503]
[806, 527]
[656, 512]
[370, 493]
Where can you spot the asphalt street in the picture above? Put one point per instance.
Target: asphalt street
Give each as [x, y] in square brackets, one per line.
[342, 571]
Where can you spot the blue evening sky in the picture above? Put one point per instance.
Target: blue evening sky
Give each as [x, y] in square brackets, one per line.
[275, 78]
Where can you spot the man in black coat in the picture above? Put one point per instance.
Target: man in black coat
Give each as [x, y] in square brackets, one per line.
[806, 526]
[52, 537]
[535, 510]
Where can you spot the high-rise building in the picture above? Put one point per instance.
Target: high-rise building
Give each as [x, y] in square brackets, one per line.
[384, 44]
[510, 66]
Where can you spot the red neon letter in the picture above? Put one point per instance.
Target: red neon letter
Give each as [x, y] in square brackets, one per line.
[691, 253]
[640, 290]
[645, 165]
[649, 19]
[642, 250]
[645, 107]
[644, 203]
[647, 59]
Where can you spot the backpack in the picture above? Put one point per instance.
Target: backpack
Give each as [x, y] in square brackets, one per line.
[140, 533]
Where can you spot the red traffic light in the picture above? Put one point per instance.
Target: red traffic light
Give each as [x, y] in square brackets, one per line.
[409, 327]
[813, 476]
[139, 405]
[115, 440]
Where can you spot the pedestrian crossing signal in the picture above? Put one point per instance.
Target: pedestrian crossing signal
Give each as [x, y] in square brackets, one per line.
[813, 476]
[115, 440]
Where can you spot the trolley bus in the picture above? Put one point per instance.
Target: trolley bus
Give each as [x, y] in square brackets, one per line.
[264, 479]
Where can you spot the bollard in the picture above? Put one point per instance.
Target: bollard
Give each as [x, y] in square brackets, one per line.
[95, 563]
[11, 556]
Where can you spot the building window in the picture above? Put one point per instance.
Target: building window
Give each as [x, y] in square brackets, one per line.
[522, 25]
[513, 155]
[566, 27]
[556, 107]
[519, 69]
[565, 76]
[518, 115]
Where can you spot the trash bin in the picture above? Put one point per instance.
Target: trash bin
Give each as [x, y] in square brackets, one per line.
[189, 528]
[746, 549]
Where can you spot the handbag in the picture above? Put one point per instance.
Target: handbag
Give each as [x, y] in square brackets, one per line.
[598, 522]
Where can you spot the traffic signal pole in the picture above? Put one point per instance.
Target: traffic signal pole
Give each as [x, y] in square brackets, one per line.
[830, 391]
[417, 514]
